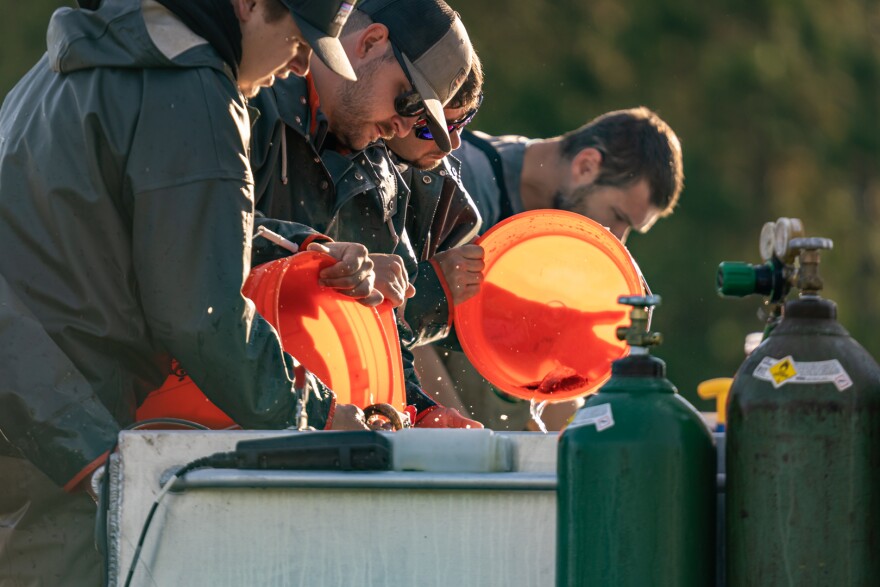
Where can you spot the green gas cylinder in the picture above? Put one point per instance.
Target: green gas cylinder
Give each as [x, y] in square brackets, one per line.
[803, 450]
[636, 466]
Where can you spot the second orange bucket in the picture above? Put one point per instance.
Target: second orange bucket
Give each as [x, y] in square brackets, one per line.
[350, 347]
[543, 325]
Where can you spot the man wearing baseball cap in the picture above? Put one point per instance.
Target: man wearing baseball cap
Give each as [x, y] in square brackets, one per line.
[433, 63]
[315, 153]
[126, 203]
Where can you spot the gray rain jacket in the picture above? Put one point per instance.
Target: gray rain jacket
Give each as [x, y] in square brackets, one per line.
[126, 213]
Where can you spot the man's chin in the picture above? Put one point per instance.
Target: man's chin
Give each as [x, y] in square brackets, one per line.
[358, 144]
[354, 142]
[427, 163]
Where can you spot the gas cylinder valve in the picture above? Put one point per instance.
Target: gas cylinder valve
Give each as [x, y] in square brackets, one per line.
[772, 279]
[790, 260]
[809, 282]
[638, 334]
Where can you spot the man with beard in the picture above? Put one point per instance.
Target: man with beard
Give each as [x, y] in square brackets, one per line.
[315, 154]
[441, 218]
[126, 208]
[623, 170]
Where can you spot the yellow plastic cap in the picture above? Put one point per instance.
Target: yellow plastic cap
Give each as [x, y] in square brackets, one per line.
[717, 388]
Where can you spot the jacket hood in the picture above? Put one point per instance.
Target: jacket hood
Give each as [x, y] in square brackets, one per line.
[125, 34]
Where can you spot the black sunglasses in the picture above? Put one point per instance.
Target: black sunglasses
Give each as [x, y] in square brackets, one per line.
[422, 131]
[408, 104]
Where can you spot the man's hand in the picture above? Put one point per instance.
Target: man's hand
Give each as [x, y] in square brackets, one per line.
[348, 417]
[463, 270]
[392, 280]
[353, 273]
[441, 417]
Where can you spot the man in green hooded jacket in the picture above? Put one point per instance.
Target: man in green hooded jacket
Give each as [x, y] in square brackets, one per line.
[126, 212]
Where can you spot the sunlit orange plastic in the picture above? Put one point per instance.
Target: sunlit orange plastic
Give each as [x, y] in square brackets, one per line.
[352, 348]
[180, 398]
[543, 325]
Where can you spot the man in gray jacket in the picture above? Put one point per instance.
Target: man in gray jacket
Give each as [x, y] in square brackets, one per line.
[126, 204]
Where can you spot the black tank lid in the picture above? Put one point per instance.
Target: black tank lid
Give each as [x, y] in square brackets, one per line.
[638, 366]
[813, 307]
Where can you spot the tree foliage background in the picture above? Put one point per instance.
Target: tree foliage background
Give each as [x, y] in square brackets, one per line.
[776, 103]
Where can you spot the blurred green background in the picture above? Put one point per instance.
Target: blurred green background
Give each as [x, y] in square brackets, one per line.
[776, 103]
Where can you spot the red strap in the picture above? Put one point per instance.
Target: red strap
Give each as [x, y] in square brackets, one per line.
[299, 376]
[74, 484]
[421, 415]
[314, 238]
[412, 412]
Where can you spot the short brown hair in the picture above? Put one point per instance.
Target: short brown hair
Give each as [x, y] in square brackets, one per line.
[468, 95]
[635, 144]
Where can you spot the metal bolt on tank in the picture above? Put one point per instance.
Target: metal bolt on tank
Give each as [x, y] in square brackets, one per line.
[803, 443]
[636, 466]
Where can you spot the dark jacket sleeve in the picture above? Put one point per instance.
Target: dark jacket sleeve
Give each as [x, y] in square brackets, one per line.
[192, 229]
[48, 411]
[265, 250]
[446, 219]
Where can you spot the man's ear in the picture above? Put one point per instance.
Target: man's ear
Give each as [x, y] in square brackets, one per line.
[586, 166]
[244, 9]
[372, 42]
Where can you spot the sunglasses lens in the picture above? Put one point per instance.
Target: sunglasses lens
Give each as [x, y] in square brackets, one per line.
[423, 132]
[409, 104]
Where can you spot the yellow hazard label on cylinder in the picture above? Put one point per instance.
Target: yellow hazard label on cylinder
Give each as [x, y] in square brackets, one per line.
[783, 370]
[780, 372]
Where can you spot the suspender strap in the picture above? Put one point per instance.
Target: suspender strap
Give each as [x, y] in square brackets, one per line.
[506, 208]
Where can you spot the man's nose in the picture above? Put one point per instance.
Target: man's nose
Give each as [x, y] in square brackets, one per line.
[299, 65]
[403, 125]
[455, 138]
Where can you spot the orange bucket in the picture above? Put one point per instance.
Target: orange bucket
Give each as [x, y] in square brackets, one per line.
[353, 349]
[543, 325]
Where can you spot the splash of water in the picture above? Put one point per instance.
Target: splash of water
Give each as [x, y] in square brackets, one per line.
[537, 410]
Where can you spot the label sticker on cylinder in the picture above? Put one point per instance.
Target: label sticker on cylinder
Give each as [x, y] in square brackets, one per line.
[599, 415]
[787, 370]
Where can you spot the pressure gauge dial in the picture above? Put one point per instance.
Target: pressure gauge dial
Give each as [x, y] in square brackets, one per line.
[786, 229]
[768, 240]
